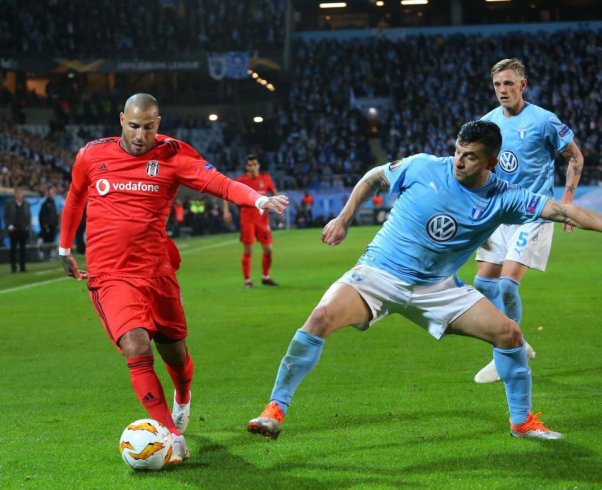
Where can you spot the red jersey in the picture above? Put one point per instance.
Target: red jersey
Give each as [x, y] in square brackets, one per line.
[263, 184]
[129, 198]
[307, 200]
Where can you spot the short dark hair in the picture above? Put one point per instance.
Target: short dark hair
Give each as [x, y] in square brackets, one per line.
[251, 156]
[485, 132]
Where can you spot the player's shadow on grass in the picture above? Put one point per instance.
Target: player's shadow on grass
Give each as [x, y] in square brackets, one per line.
[560, 377]
[569, 463]
[214, 466]
[397, 419]
[546, 460]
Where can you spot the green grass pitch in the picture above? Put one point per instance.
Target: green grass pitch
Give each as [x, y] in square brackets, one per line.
[387, 408]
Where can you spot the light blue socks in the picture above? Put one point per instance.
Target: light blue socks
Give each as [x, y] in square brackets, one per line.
[302, 356]
[513, 306]
[490, 289]
[503, 293]
[513, 368]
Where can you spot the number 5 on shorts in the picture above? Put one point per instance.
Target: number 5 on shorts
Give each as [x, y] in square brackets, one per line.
[522, 239]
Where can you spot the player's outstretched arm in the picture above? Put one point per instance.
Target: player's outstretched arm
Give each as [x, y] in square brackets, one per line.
[572, 215]
[372, 182]
[574, 159]
[225, 188]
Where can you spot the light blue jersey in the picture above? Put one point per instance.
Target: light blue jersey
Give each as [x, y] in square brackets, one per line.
[530, 141]
[436, 223]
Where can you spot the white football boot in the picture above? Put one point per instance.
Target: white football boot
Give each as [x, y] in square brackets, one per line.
[181, 414]
[180, 450]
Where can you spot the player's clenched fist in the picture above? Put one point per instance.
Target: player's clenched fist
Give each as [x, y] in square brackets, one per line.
[334, 232]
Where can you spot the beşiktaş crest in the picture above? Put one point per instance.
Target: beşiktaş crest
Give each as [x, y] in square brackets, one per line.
[152, 168]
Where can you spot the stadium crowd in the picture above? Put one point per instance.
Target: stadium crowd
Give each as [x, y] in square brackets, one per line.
[431, 83]
[322, 138]
[33, 162]
[565, 77]
[62, 27]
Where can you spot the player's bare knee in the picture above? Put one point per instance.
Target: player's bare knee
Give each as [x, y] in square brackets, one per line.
[319, 322]
[509, 335]
[136, 343]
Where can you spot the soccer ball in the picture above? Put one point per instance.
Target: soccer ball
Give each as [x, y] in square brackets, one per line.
[146, 445]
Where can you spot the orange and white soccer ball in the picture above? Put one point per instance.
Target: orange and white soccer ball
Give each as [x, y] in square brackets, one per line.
[146, 445]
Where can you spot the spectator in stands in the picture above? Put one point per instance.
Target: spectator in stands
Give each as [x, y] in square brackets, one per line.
[377, 201]
[80, 234]
[17, 218]
[380, 214]
[176, 217]
[307, 203]
[59, 28]
[49, 218]
[32, 161]
[320, 134]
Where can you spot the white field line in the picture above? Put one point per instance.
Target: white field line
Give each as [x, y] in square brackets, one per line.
[189, 251]
[46, 271]
[32, 285]
[58, 279]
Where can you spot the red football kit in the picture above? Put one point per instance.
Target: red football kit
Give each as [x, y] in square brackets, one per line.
[131, 261]
[253, 224]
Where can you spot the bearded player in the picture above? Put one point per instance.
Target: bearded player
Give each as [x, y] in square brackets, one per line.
[129, 184]
[253, 224]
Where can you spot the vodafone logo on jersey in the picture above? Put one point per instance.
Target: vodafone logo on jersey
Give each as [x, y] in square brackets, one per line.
[103, 187]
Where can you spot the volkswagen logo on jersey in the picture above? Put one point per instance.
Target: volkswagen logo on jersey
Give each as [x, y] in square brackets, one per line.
[442, 227]
[508, 161]
[103, 186]
[152, 168]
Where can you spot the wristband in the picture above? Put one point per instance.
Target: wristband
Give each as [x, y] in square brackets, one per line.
[261, 201]
[63, 252]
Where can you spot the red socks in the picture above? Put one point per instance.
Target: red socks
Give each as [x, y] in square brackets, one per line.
[246, 266]
[266, 263]
[182, 379]
[149, 391]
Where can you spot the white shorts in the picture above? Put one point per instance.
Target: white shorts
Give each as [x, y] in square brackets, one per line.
[433, 307]
[527, 244]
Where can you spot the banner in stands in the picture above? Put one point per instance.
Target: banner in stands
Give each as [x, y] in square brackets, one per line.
[233, 64]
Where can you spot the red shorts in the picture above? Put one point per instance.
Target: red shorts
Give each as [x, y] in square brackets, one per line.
[126, 303]
[260, 229]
